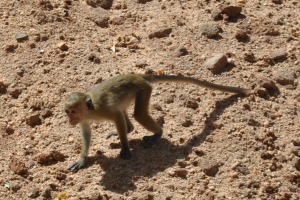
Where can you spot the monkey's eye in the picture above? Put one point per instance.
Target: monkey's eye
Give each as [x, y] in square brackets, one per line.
[67, 111]
[73, 111]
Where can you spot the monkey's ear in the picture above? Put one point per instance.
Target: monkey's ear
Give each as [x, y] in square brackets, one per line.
[89, 104]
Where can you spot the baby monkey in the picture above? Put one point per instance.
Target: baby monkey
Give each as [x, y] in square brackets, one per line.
[109, 101]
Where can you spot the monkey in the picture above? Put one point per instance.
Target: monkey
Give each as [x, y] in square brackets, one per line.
[110, 99]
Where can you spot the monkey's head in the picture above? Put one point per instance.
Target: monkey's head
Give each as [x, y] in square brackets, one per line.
[77, 107]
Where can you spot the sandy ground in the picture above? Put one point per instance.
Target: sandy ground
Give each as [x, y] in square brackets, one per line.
[215, 145]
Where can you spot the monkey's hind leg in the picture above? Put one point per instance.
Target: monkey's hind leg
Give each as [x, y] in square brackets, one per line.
[130, 127]
[142, 116]
[121, 125]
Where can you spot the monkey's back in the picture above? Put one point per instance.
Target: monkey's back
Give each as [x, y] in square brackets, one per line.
[117, 92]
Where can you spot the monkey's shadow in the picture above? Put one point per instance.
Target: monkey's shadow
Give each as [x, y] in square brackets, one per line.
[121, 175]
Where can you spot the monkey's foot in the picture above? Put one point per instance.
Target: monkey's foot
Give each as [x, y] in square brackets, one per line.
[125, 154]
[76, 166]
[151, 140]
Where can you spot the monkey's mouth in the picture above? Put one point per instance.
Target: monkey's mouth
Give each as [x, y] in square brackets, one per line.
[73, 122]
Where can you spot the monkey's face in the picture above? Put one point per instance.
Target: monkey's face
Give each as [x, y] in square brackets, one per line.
[73, 115]
[77, 107]
[77, 113]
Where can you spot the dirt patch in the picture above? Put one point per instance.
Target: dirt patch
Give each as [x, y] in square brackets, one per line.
[215, 145]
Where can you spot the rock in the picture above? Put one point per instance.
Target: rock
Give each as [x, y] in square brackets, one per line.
[149, 71]
[181, 173]
[33, 193]
[267, 84]
[277, 1]
[296, 143]
[141, 64]
[181, 140]
[187, 123]
[156, 106]
[295, 150]
[231, 11]
[33, 120]
[46, 113]
[50, 157]
[178, 173]
[37, 37]
[160, 32]
[192, 104]
[119, 6]
[93, 58]
[267, 155]
[246, 106]
[143, 1]
[271, 31]
[20, 71]
[278, 56]
[284, 77]
[14, 186]
[14, 92]
[210, 30]
[242, 169]
[9, 130]
[95, 196]
[182, 164]
[250, 57]
[46, 5]
[216, 63]
[46, 193]
[117, 21]
[169, 98]
[270, 189]
[128, 41]
[99, 16]
[216, 15]
[241, 35]
[32, 45]
[62, 46]
[253, 122]
[10, 48]
[115, 145]
[261, 92]
[280, 158]
[3, 87]
[181, 51]
[198, 152]
[106, 4]
[60, 176]
[21, 36]
[18, 167]
[99, 80]
[210, 168]
[294, 178]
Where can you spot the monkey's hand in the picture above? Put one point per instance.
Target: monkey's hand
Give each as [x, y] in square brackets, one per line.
[78, 165]
[125, 154]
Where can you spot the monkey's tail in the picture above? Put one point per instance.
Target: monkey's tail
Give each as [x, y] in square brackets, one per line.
[169, 78]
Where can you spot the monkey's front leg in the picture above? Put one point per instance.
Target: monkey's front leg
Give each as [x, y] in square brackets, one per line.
[121, 125]
[86, 140]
